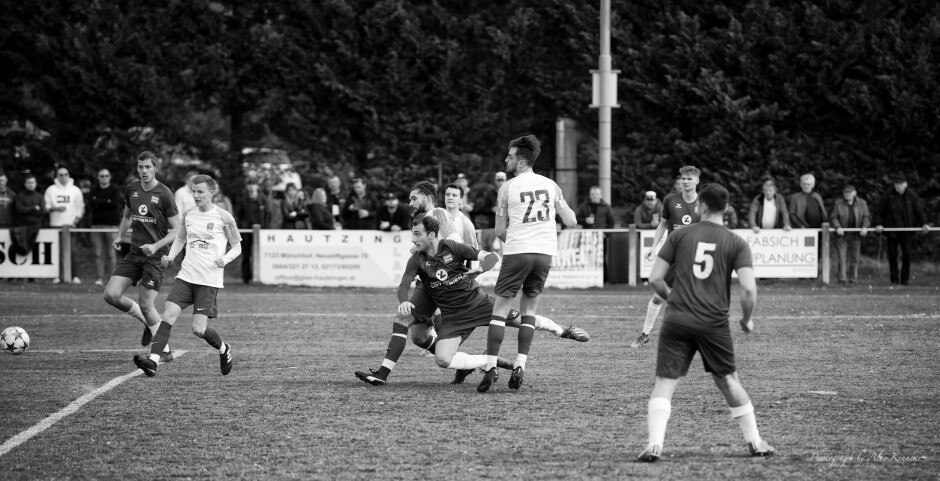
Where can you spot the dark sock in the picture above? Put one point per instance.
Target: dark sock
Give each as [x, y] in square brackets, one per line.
[526, 334]
[161, 338]
[213, 338]
[494, 336]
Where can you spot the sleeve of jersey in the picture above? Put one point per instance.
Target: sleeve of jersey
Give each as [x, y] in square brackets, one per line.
[502, 201]
[411, 270]
[668, 251]
[743, 257]
[170, 208]
[448, 230]
[560, 203]
[230, 227]
[467, 253]
[664, 213]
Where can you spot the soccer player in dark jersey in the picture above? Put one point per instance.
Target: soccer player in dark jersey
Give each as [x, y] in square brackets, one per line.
[419, 323]
[680, 209]
[150, 212]
[700, 260]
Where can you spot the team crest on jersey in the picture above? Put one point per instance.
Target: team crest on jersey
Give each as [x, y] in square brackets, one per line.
[687, 219]
[441, 275]
[142, 210]
[678, 205]
[448, 258]
[134, 194]
[154, 199]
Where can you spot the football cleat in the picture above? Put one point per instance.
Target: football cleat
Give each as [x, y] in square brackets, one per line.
[461, 375]
[145, 364]
[147, 338]
[225, 360]
[761, 449]
[489, 377]
[651, 454]
[643, 338]
[167, 355]
[371, 379]
[576, 333]
[515, 380]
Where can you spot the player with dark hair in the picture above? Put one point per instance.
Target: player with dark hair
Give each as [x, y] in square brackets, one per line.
[150, 212]
[419, 322]
[525, 223]
[700, 260]
[206, 231]
[680, 209]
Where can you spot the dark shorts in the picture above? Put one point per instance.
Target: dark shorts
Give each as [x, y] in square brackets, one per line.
[526, 270]
[144, 270]
[202, 298]
[678, 344]
[424, 306]
[462, 323]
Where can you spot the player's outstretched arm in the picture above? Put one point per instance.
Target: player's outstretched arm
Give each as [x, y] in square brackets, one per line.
[568, 217]
[122, 228]
[658, 236]
[178, 242]
[748, 297]
[234, 239]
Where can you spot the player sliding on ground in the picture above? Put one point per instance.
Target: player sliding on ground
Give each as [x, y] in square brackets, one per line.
[419, 324]
[205, 232]
[150, 212]
[701, 258]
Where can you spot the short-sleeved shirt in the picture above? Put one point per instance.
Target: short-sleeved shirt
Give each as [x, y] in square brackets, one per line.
[530, 202]
[678, 213]
[447, 230]
[701, 258]
[150, 216]
[444, 277]
[207, 234]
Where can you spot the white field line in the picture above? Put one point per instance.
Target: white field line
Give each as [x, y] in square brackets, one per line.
[71, 408]
[635, 314]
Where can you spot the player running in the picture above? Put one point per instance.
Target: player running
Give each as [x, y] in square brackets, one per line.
[150, 212]
[525, 222]
[419, 324]
[205, 232]
[680, 209]
[700, 260]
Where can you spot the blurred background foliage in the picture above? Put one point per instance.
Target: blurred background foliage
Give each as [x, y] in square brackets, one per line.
[400, 90]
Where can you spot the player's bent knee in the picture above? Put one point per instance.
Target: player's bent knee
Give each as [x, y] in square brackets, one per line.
[444, 362]
[199, 331]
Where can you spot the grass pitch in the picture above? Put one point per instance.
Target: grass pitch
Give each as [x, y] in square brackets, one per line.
[845, 383]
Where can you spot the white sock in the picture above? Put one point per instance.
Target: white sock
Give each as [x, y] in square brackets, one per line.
[652, 312]
[543, 323]
[136, 313]
[155, 358]
[463, 360]
[657, 416]
[747, 421]
[520, 361]
[223, 348]
[490, 362]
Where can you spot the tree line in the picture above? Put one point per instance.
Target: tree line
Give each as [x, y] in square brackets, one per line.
[393, 89]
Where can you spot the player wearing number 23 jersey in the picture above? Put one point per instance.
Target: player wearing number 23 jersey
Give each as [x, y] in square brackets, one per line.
[531, 214]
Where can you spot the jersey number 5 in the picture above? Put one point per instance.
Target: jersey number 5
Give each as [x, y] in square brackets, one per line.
[541, 212]
[704, 262]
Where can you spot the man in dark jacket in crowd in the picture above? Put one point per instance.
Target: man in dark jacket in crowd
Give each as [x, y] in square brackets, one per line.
[768, 210]
[29, 210]
[807, 209]
[900, 208]
[255, 209]
[595, 213]
[849, 212]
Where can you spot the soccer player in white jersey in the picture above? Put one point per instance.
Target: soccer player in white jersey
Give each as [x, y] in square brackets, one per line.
[525, 222]
[453, 199]
[205, 232]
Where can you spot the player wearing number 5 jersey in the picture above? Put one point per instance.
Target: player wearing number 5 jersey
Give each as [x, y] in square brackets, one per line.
[525, 221]
[701, 258]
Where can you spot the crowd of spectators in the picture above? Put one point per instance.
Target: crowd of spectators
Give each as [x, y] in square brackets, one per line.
[333, 207]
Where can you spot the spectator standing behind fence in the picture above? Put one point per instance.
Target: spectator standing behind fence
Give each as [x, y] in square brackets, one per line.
[184, 195]
[807, 209]
[254, 210]
[294, 208]
[595, 213]
[222, 201]
[647, 214]
[849, 212]
[320, 216]
[468, 205]
[393, 217]
[768, 210]
[359, 211]
[7, 199]
[66, 206]
[29, 209]
[336, 199]
[730, 217]
[106, 202]
[485, 213]
[900, 207]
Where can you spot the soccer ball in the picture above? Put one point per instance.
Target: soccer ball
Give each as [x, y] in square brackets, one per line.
[14, 340]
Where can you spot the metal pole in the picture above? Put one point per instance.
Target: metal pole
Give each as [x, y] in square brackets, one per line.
[603, 111]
